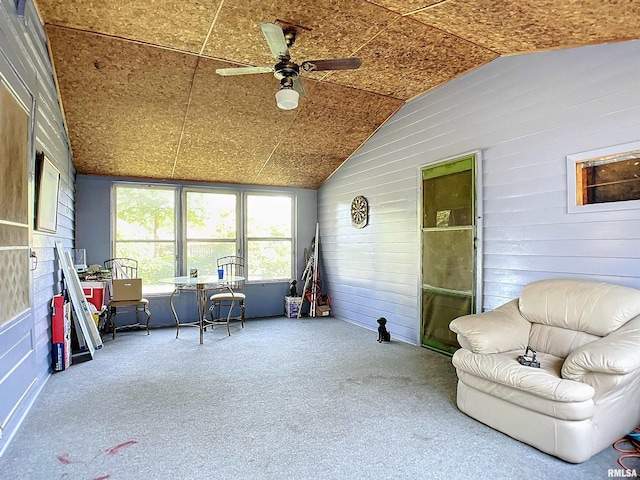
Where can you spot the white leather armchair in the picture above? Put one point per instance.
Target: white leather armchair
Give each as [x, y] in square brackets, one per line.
[586, 393]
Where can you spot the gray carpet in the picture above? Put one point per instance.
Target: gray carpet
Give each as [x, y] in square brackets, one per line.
[280, 399]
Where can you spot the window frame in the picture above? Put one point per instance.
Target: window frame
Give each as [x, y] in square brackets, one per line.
[574, 160]
[176, 235]
[183, 221]
[291, 239]
[180, 227]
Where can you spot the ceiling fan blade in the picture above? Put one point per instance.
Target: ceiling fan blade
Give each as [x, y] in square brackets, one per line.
[227, 72]
[274, 36]
[331, 64]
[298, 87]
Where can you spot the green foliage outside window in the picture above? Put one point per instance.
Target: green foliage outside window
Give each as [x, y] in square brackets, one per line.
[269, 238]
[145, 228]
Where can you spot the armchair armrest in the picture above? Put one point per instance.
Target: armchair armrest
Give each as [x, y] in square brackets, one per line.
[496, 331]
[616, 354]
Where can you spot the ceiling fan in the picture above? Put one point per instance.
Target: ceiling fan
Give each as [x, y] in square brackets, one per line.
[286, 70]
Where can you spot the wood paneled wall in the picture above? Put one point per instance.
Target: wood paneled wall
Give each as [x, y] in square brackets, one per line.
[24, 60]
[526, 114]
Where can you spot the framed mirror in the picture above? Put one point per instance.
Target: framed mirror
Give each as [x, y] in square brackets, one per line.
[47, 207]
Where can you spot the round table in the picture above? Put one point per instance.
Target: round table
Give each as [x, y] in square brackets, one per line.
[201, 286]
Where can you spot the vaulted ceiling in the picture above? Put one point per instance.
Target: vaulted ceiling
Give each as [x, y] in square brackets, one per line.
[141, 97]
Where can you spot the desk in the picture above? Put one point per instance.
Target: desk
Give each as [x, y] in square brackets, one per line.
[201, 286]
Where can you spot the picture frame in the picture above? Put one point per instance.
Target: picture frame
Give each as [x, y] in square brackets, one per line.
[47, 207]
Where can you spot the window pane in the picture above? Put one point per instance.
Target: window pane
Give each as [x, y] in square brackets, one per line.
[145, 231]
[269, 242]
[612, 182]
[448, 259]
[447, 200]
[156, 260]
[269, 260]
[609, 175]
[268, 216]
[203, 255]
[211, 215]
[145, 213]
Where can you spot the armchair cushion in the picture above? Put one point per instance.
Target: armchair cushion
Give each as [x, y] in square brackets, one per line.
[572, 411]
[500, 330]
[591, 307]
[615, 354]
[542, 382]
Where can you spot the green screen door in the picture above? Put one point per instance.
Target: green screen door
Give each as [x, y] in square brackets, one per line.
[448, 249]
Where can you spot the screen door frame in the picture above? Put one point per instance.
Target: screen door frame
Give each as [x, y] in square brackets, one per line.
[479, 230]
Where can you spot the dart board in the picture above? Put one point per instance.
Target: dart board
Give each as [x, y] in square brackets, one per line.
[359, 212]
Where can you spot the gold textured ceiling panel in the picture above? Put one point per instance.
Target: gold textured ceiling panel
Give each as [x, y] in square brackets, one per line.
[133, 109]
[515, 26]
[124, 102]
[327, 28]
[181, 25]
[232, 126]
[409, 58]
[405, 6]
[333, 123]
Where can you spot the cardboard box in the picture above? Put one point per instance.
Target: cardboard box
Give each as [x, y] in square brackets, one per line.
[292, 306]
[322, 310]
[126, 289]
[60, 334]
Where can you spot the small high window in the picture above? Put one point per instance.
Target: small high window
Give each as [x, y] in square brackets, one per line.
[608, 179]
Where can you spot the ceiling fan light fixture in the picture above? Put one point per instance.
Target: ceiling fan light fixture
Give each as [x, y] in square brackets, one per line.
[286, 70]
[287, 98]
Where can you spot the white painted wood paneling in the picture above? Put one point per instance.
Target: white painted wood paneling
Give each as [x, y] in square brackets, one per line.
[526, 114]
[25, 344]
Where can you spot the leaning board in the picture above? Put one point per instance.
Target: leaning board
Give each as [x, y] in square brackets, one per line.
[79, 301]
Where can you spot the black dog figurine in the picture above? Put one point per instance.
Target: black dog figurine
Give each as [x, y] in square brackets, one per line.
[383, 333]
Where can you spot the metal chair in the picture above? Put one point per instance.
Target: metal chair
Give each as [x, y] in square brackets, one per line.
[122, 268]
[233, 267]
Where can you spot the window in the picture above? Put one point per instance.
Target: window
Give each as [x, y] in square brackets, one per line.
[20, 7]
[605, 179]
[210, 229]
[269, 237]
[172, 229]
[609, 179]
[145, 229]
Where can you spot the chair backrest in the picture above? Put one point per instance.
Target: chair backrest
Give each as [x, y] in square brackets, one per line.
[122, 267]
[566, 314]
[233, 266]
